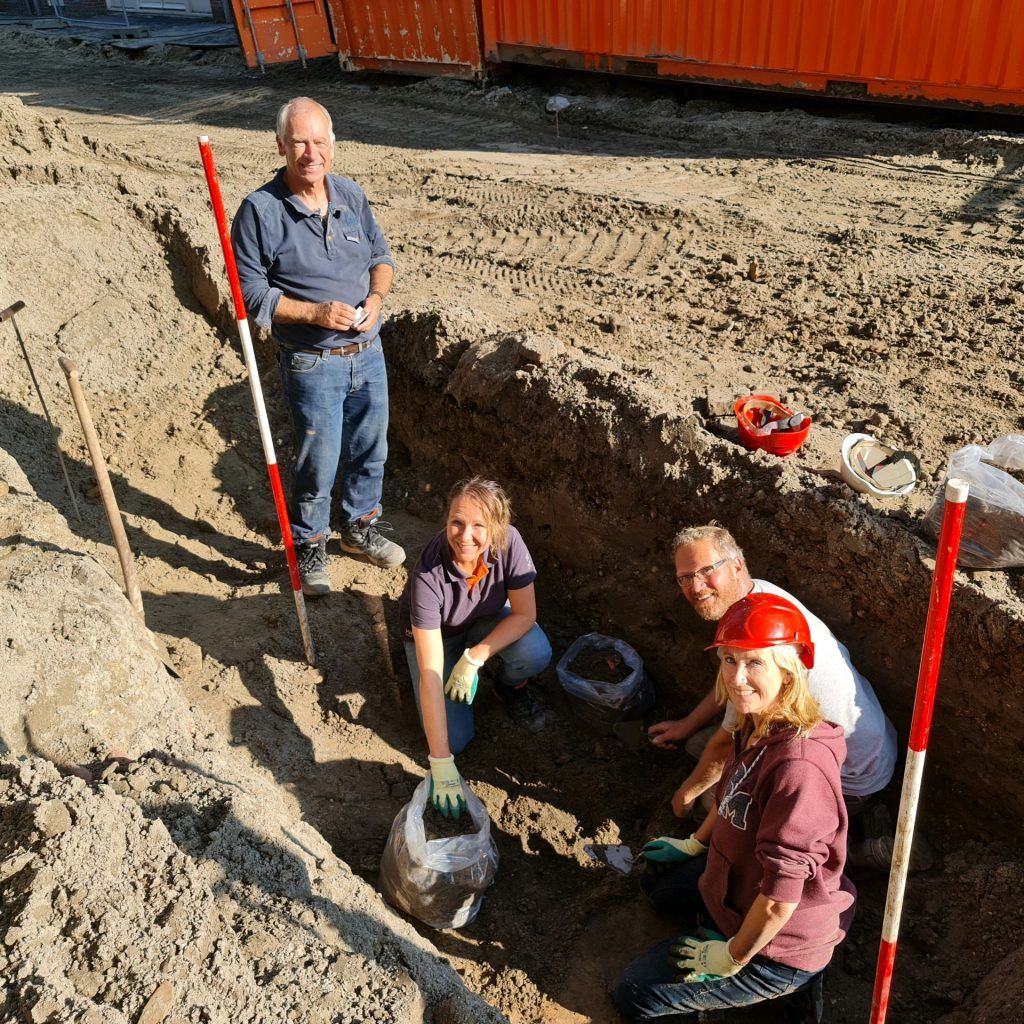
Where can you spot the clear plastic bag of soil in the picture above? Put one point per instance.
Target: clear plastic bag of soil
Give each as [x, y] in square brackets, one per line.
[993, 535]
[605, 681]
[440, 881]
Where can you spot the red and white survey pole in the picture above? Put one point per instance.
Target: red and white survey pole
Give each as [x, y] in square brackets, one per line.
[924, 705]
[257, 395]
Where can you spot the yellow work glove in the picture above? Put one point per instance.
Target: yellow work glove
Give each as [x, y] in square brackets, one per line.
[703, 961]
[461, 685]
[665, 850]
[446, 787]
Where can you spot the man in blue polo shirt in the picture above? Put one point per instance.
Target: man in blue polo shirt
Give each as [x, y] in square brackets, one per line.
[315, 268]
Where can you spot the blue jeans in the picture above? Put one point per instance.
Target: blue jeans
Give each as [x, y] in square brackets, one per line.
[649, 988]
[339, 411]
[522, 660]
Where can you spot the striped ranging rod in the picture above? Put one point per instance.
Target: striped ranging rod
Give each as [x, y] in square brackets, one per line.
[924, 705]
[257, 396]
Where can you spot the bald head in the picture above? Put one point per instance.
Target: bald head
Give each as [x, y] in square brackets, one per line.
[301, 105]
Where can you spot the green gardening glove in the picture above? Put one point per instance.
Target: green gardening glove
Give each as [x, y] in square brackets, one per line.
[665, 850]
[446, 787]
[703, 960]
[461, 685]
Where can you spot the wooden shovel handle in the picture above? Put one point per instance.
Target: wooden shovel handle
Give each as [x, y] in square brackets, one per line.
[124, 551]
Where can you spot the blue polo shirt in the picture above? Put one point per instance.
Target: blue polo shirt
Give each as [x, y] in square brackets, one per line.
[438, 595]
[284, 248]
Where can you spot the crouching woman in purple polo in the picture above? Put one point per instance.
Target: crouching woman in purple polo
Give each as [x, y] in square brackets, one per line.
[760, 884]
[469, 599]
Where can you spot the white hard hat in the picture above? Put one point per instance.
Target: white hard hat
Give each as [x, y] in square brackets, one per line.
[871, 467]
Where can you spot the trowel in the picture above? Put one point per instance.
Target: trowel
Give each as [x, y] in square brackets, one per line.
[618, 857]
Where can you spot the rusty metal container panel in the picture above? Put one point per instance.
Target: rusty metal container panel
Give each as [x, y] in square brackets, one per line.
[433, 37]
[283, 31]
[959, 51]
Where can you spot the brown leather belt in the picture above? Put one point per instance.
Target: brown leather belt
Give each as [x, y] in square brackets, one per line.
[345, 350]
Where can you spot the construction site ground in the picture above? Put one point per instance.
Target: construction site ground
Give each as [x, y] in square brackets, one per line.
[577, 303]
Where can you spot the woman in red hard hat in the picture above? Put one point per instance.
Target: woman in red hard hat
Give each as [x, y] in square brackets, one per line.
[760, 884]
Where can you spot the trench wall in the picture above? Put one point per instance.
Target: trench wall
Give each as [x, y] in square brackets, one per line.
[603, 468]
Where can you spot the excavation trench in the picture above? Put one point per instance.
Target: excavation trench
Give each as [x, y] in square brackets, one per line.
[610, 432]
[603, 469]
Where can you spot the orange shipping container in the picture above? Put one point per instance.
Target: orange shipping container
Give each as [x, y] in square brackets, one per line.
[425, 37]
[945, 51]
[282, 31]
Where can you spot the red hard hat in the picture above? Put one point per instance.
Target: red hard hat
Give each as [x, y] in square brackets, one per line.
[765, 620]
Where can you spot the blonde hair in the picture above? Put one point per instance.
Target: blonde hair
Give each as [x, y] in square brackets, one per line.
[493, 502]
[794, 705]
[718, 535]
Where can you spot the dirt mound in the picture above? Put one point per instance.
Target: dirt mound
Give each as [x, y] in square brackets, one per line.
[184, 865]
[998, 998]
[105, 896]
[82, 672]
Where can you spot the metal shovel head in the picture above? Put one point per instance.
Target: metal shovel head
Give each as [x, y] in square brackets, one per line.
[156, 645]
[631, 732]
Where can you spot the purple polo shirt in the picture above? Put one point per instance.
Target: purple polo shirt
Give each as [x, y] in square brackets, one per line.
[437, 597]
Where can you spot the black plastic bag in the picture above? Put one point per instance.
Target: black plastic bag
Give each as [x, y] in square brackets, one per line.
[603, 704]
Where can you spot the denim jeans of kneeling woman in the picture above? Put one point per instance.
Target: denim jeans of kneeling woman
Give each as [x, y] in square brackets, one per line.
[522, 660]
[650, 989]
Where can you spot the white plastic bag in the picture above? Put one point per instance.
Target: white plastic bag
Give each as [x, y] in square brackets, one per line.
[602, 704]
[993, 535]
[439, 881]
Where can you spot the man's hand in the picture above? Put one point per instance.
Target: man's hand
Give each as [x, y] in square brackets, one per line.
[683, 801]
[667, 734]
[373, 304]
[702, 961]
[665, 850]
[446, 787]
[335, 316]
[462, 683]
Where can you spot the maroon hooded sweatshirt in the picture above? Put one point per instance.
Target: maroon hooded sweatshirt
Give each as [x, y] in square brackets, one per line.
[781, 832]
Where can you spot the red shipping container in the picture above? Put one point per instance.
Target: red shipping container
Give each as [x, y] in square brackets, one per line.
[282, 31]
[944, 51]
[421, 37]
[424, 37]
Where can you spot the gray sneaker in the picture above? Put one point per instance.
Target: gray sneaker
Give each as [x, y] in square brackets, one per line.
[312, 560]
[364, 537]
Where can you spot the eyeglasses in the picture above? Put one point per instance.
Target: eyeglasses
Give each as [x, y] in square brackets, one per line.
[685, 579]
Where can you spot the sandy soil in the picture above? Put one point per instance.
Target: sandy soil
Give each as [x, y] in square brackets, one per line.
[686, 252]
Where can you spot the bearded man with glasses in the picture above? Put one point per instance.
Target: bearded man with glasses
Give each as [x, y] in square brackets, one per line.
[712, 574]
